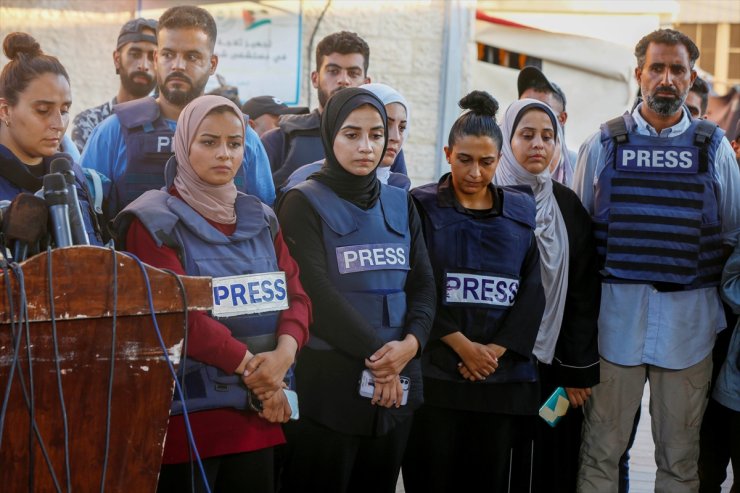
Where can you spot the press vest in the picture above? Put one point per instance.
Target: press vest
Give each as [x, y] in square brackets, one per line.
[205, 251]
[656, 215]
[479, 262]
[148, 140]
[368, 255]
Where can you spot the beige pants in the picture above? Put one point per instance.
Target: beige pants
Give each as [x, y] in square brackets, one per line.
[677, 402]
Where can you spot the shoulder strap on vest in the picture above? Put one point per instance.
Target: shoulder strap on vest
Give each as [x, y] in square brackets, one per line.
[272, 221]
[394, 202]
[141, 112]
[296, 123]
[152, 210]
[324, 201]
[703, 139]
[519, 205]
[616, 129]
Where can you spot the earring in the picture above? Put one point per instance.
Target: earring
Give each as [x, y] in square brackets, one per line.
[7, 123]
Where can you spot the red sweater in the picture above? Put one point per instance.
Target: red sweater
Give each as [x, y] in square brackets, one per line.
[223, 431]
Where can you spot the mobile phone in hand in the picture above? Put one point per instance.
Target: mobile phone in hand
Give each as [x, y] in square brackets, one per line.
[293, 402]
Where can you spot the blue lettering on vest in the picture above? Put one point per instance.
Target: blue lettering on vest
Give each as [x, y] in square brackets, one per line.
[254, 293]
[382, 256]
[658, 160]
[481, 290]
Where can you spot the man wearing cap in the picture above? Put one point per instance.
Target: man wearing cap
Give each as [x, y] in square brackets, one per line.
[265, 111]
[663, 191]
[132, 146]
[134, 62]
[342, 60]
[533, 84]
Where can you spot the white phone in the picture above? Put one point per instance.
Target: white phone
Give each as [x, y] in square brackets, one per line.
[293, 403]
[367, 386]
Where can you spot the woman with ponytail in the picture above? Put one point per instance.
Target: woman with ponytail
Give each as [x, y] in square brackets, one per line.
[35, 97]
[480, 377]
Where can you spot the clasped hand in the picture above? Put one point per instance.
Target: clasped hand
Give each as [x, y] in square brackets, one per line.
[479, 360]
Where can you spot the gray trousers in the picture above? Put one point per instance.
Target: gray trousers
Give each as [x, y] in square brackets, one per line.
[678, 399]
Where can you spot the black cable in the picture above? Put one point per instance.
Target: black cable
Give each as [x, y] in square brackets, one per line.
[31, 391]
[183, 361]
[16, 349]
[310, 47]
[17, 337]
[112, 369]
[60, 391]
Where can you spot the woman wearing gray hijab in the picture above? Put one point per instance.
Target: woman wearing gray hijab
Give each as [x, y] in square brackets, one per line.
[566, 344]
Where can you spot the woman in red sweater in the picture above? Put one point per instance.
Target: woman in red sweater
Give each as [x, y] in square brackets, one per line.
[201, 225]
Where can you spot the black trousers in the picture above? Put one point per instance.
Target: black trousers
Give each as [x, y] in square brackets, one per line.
[452, 450]
[248, 471]
[318, 459]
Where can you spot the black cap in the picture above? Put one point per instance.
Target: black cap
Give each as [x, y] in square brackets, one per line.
[269, 105]
[133, 31]
[533, 77]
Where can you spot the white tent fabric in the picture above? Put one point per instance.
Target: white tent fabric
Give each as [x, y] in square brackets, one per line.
[597, 76]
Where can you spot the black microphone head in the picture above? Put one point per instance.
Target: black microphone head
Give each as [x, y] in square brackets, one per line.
[62, 163]
[55, 189]
[26, 218]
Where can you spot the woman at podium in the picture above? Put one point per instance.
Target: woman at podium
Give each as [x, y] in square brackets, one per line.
[35, 97]
[238, 355]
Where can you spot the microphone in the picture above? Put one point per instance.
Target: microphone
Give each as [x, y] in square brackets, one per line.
[55, 195]
[24, 222]
[63, 164]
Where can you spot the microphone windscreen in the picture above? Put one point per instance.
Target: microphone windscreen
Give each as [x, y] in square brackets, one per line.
[26, 218]
[55, 189]
[61, 164]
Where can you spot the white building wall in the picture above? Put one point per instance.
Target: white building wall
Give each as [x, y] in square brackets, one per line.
[405, 39]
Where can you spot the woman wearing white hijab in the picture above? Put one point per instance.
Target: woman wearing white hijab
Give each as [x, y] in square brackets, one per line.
[566, 343]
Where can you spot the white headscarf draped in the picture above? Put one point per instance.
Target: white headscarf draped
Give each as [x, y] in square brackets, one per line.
[552, 237]
[388, 95]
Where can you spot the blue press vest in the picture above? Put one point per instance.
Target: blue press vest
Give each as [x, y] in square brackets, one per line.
[368, 254]
[661, 225]
[205, 251]
[148, 140]
[9, 190]
[496, 247]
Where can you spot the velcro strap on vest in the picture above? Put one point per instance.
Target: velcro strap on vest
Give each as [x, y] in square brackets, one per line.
[703, 138]
[618, 129]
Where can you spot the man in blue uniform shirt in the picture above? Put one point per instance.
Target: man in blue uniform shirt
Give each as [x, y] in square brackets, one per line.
[132, 146]
[664, 193]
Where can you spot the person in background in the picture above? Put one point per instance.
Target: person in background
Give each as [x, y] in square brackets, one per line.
[35, 98]
[264, 112]
[661, 238]
[480, 377]
[697, 99]
[371, 317]
[132, 146]
[533, 84]
[397, 110]
[566, 345]
[200, 225]
[342, 60]
[134, 62]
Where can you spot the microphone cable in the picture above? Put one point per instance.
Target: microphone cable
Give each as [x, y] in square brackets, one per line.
[112, 369]
[29, 400]
[183, 361]
[60, 391]
[186, 419]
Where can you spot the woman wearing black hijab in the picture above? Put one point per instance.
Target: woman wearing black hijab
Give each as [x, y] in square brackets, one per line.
[364, 264]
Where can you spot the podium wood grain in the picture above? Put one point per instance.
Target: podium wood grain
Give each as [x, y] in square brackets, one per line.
[142, 384]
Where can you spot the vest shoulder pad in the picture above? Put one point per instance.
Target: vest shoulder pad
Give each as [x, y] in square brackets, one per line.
[138, 112]
[272, 221]
[152, 210]
[617, 128]
[394, 202]
[297, 123]
[519, 205]
[399, 180]
[704, 131]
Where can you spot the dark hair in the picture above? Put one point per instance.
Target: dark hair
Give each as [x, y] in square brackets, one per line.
[27, 63]
[701, 88]
[189, 17]
[479, 121]
[344, 43]
[666, 37]
[540, 85]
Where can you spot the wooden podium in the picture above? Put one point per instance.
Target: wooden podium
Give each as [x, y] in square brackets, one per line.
[82, 282]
